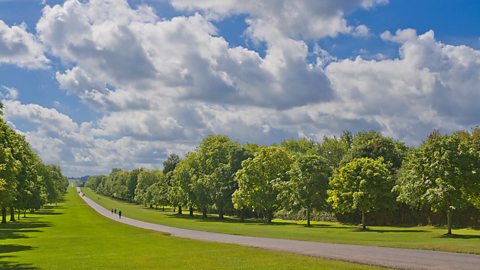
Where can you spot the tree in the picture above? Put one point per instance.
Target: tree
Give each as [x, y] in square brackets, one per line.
[363, 185]
[181, 191]
[159, 192]
[146, 178]
[373, 145]
[335, 149]
[260, 180]
[132, 184]
[308, 187]
[170, 164]
[437, 174]
[219, 159]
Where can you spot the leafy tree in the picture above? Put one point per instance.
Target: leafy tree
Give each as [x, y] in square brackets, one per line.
[170, 164]
[437, 174]
[301, 146]
[373, 145]
[132, 184]
[146, 178]
[260, 180]
[308, 187]
[159, 192]
[219, 159]
[362, 185]
[181, 192]
[335, 149]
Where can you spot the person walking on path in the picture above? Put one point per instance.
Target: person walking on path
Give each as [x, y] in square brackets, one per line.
[112, 210]
[115, 210]
[119, 213]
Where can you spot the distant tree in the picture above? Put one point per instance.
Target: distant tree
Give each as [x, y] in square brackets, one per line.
[170, 164]
[132, 184]
[219, 159]
[309, 183]
[362, 185]
[182, 191]
[335, 149]
[301, 146]
[146, 178]
[373, 145]
[260, 180]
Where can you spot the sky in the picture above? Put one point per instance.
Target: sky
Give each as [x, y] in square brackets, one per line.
[101, 84]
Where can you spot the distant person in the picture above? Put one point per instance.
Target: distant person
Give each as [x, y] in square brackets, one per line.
[119, 213]
[112, 210]
[115, 210]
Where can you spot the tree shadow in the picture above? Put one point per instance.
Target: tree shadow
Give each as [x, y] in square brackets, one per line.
[388, 230]
[12, 249]
[48, 212]
[15, 265]
[16, 230]
[460, 236]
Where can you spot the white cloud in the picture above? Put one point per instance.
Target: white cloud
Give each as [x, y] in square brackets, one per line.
[10, 93]
[103, 47]
[301, 19]
[161, 85]
[21, 48]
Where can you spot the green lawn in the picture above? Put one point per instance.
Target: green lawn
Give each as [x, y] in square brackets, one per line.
[466, 240]
[73, 236]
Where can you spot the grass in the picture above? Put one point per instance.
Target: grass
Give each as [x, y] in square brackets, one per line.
[73, 236]
[465, 240]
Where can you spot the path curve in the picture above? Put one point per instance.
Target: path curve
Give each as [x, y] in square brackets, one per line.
[382, 256]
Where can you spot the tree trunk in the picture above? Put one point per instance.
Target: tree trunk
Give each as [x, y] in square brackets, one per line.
[163, 208]
[204, 213]
[449, 221]
[174, 209]
[4, 215]
[18, 214]
[180, 210]
[191, 211]
[269, 216]
[12, 213]
[308, 217]
[24, 213]
[364, 226]
[220, 214]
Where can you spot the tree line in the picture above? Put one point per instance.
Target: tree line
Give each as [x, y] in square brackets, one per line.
[364, 177]
[26, 183]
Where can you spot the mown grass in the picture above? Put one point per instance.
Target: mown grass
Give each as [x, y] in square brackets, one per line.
[73, 236]
[465, 240]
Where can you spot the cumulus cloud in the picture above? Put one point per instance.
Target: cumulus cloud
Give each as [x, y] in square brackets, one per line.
[21, 48]
[431, 85]
[182, 57]
[161, 85]
[303, 19]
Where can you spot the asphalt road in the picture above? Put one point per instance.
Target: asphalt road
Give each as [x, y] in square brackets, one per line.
[381, 256]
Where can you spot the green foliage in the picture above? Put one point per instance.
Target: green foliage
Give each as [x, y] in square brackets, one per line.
[362, 185]
[307, 188]
[441, 174]
[146, 178]
[372, 144]
[260, 180]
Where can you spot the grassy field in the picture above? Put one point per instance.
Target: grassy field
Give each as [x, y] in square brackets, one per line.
[73, 236]
[465, 240]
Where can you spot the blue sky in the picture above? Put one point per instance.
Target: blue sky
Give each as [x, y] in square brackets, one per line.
[101, 84]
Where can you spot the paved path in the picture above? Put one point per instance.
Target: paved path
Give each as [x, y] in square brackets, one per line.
[388, 257]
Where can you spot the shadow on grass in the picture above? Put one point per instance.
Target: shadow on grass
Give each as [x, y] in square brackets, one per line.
[48, 212]
[460, 236]
[388, 230]
[15, 230]
[15, 265]
[13, 248]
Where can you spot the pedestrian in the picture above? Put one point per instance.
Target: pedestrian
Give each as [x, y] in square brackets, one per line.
[119, 213]
[115, 210]
[112, 210]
